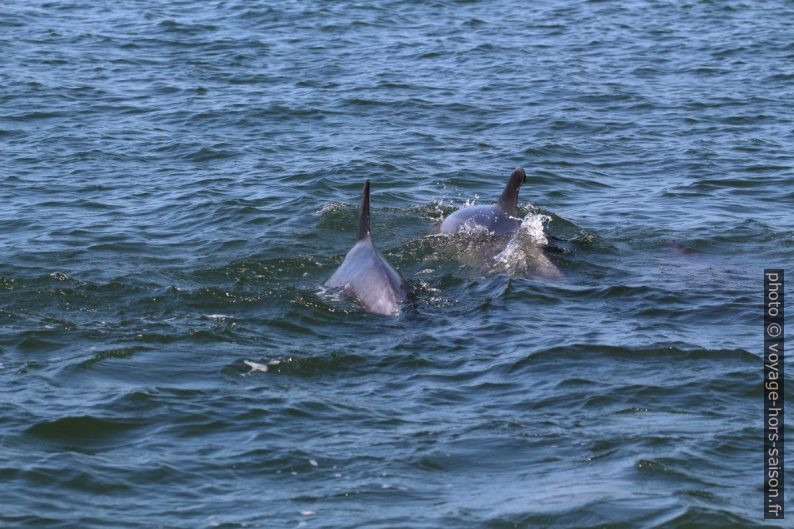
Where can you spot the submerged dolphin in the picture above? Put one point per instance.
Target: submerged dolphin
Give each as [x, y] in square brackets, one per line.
[366, 274]
[499, 218]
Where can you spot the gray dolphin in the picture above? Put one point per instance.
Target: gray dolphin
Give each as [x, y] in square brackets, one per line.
[499, 218]
[365, 273]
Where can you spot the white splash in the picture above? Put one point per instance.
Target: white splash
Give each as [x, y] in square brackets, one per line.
[523, 254]
[470, 201]
[331, 207]
[437, 209]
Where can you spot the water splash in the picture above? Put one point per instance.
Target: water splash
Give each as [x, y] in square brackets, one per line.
[332, 208]
[523, 254]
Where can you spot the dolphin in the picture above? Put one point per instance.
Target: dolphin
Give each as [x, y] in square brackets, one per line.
[500, 218]
[512, 246]
[365, 274]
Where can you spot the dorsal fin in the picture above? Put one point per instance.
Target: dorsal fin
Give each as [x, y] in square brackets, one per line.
[363, 214]
[509, 199]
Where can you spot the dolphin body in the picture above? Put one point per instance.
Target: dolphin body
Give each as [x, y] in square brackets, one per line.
[510, 247]
[499, 218]
[365, 274]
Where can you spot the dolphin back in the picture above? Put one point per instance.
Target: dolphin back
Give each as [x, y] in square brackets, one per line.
[492, 218]
[367, 275]
[499, 218]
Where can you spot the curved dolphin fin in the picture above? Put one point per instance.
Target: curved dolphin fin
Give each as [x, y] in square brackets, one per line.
[509, 199]
[363, 214]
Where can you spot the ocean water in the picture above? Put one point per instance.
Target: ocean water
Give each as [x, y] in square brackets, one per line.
[178, 179]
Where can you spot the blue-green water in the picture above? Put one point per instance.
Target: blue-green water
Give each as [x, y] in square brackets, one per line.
[178, 180]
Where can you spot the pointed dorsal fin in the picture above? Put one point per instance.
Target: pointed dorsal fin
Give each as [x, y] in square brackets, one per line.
[509, 199]
[363, 214]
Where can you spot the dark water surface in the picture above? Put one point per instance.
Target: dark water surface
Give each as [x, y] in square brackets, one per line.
[177, 181]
